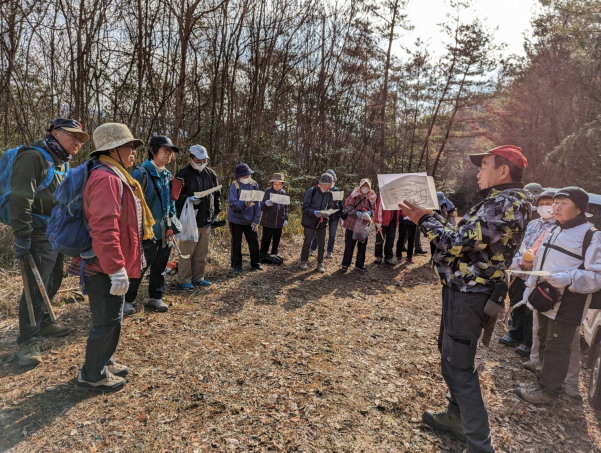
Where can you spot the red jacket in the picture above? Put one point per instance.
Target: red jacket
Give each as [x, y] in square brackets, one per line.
[383, 217]
[113, 224]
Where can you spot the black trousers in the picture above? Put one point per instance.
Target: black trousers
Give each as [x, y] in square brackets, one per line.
[252, 239]
[107, 314]
[521, 317]
[270, 236]
[385, 242]
[406, 230]
[156, 258]
[460, 328]
[50, 266]
[349, 249]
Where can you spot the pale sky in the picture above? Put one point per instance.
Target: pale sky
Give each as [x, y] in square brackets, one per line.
[512, 17]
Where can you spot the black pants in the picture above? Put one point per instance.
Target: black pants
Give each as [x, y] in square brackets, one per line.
[269, 235]
[406, 230]
[107, 314]
[385, 243]
[460, 328]
[252, 239]
[156, 258]
[311, 235]
[332, 230]
[521, 317]
[349, 249]
[418, 240]
[555, 349]
[50, 266]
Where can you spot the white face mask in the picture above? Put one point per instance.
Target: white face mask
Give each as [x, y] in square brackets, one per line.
[364, 190]
[245, 180]
[545, 212]
[199, 167]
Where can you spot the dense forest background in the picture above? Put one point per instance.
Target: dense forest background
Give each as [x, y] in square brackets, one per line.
[303, 85]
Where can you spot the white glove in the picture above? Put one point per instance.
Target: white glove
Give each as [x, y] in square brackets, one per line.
[366, 216]
[268, 202]
[559, 279]
[119, 282]
[285, 224]
[250, 204]
[255, 227]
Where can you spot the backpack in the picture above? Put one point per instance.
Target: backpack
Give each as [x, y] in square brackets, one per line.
[6, 171]
[588, 237]
[68, 230]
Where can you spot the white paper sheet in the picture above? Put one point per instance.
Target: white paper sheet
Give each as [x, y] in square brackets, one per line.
[252, 195]
[329, 211]
[279, 199]
[535, 273]
[204, 193]
[418, 188]
[338, 195]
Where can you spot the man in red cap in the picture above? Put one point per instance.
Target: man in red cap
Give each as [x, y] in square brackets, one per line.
[470, 260]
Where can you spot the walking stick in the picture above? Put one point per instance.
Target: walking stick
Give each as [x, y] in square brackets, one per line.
[40, 283]
[27, 293]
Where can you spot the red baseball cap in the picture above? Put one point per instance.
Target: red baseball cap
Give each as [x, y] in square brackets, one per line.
[512, 153]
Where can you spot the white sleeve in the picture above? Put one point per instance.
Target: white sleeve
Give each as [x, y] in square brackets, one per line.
[588, 280]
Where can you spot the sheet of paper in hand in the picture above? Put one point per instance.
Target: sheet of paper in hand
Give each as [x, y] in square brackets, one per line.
[204, 193]
[251, 195]
[418, 188]
[338, 195]
[279, 199]
[329, 211]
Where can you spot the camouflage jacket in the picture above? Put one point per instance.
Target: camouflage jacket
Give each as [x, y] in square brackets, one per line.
[472, 256]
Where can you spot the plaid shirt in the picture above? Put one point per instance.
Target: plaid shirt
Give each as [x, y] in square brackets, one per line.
[472, 256]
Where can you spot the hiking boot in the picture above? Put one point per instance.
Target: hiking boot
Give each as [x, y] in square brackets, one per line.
[128, 309]
[304, 265]
[409, 261]
[571, 390]
[329, 255]
[237, 270]
[523, 350]
[28, 354]
[202, 282]
[446, 420]
[156, 305]
[531, 366]
[56, 329]
[110, 383]
[534, 394]
[344, 268]
[390, 262]
[361, 268]
[508, 340]
[420, 252]
[378, 260]
[320, 268]
[186, 286]
[117, 369]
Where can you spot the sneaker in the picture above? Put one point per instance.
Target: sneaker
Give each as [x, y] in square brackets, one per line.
[532, 366]
[420, 252]
[446, 420]
[534, 394]
[256, 267]
[523, 350]
[329, 255]
[320, 268]
[304, 265]
[237, 270]
[390, 262]
[28, 354]
[378, 260]
[186, 286]
[361, 268]
[508, 340]
[128, 309]
[202, 283]
[110, 383]
[344, 268]
[56, 329]
[156, 305]
[117, 369]
[571, 390]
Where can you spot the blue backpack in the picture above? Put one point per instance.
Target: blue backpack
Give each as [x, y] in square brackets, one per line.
[6, 172]
[68, 230]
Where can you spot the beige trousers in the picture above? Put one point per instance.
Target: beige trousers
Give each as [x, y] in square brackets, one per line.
[193, 268]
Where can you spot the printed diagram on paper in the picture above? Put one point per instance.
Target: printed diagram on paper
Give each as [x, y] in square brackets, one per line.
[418, 188]
[251, 195]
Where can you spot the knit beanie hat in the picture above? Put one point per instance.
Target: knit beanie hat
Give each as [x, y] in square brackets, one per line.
[331, 172]
[576, 194]
[326, 178]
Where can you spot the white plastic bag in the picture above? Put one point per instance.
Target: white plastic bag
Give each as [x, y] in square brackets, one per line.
[189, 231]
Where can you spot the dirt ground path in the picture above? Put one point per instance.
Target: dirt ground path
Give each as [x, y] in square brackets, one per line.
[281, 360]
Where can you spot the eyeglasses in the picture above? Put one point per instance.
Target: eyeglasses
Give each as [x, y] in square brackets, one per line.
[73, 136]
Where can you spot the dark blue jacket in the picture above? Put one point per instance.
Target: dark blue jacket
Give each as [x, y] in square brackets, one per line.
[239, 213]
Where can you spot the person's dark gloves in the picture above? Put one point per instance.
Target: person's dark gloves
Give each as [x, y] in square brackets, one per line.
[22, 246]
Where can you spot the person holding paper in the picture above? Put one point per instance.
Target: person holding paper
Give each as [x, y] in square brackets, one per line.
[333, 220]
[243, 218]
[315, 220]
[359, 207]
[197, 177]
[470, 261]
[275, 216]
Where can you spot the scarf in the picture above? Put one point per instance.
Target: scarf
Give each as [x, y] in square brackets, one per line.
[54, 146]
[136, 188]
